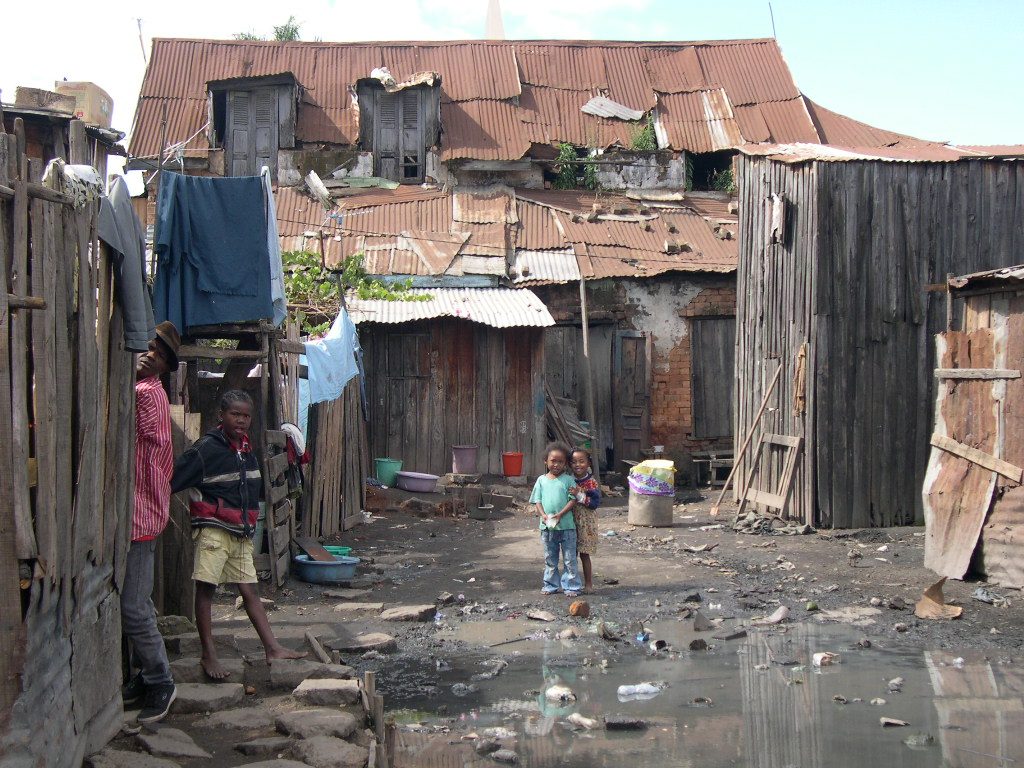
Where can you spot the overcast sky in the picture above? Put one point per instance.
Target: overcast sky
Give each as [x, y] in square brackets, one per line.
[938, 70]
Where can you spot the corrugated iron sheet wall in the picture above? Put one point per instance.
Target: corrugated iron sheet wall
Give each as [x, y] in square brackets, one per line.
[863, 240]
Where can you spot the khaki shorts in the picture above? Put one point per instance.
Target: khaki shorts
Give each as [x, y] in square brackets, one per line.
[222, 557]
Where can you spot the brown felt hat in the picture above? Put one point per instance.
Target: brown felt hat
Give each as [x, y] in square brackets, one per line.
[169, 335]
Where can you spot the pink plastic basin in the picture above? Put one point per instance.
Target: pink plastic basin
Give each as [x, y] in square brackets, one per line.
[418, 482]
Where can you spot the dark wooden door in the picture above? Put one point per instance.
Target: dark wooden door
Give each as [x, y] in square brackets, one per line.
[631, 388]
[252, 131]
[407, 406]
[713, 350]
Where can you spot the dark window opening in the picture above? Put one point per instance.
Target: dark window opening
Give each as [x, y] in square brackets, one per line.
[710, 171]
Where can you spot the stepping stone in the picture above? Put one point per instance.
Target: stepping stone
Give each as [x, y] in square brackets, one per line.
[119, 758]
[290, 635]
[326, 691]
[170, 742]
[329, 752]
[350, 609]
[189, 670]
[288, 673]
[276, 764]
[410, 613]
[268, 746]
[306, 723]
[345, 594]
[241, 718]
[174, 625]
[188, 644]
[371, 641]
[207, 697]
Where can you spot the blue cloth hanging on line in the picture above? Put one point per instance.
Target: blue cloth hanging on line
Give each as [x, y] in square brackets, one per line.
[213, 264]
[331, 361]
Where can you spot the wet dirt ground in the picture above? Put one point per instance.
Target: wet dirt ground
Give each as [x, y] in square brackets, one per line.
[479, 671]
[755, 700]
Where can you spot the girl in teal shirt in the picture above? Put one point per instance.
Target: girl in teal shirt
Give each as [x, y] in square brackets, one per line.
[553, 497]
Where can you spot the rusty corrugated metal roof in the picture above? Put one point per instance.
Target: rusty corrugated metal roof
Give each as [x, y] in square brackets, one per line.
[1013, 275]
[485, 205]
[805, 152]
[496, 307]
[480, 84]
[702, 120]
[537, 229]
[994, 150]
[483, 129]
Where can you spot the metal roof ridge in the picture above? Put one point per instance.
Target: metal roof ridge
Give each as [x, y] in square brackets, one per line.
[494, 43]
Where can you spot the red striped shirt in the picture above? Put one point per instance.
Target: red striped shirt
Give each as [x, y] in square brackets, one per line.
[154, 460]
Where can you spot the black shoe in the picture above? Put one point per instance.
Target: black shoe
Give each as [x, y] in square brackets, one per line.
[133, 690]
[157, 703]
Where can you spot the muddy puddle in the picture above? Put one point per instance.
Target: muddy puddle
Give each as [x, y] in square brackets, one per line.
[755, 701]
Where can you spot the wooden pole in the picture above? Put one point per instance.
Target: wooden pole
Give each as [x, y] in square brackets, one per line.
[746, 440]
[588, 377]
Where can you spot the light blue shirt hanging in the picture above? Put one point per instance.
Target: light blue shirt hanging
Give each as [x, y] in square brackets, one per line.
[277, 294]
[331, 361]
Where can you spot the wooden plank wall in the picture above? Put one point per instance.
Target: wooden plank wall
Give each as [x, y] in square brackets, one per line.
[334, 494]
[435, 384]
[772, 317]
[66, 465]
[864, 239]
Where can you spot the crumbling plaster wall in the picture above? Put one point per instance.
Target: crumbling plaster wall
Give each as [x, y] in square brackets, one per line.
[660, 306]
[642, 170]
[294, 164]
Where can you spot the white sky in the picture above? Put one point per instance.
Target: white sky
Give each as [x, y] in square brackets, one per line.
[937, 69]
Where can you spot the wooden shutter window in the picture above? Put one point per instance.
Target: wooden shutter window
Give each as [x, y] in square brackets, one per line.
[266, 124]
[238, 131]
[412, 137]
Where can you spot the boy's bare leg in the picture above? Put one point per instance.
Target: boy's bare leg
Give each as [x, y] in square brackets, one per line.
[258, 617]
[204, 621]
[588, 572]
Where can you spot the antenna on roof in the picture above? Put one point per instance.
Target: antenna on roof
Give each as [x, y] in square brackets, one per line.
[494, 29]
[142, 45]
[772, 14]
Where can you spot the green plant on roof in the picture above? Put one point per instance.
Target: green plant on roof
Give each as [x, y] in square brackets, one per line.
[283, 33]
[723, 181]
[314, 293]
[568, 174]
[644, 138]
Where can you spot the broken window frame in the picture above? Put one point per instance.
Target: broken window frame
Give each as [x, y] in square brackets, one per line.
[272, 103]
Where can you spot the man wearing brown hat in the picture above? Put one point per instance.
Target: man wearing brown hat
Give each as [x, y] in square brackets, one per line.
[154, 463]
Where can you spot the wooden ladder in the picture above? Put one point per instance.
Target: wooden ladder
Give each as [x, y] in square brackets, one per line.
[778, 498]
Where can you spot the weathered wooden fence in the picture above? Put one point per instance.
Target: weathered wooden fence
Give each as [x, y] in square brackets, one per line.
[67, 432]
[334, 495]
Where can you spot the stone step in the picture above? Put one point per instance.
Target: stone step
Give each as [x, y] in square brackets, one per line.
[306, 723]
[370, 641]
[327, 691]
[207, 697]
[344, 610]
[270, 745]
[164, 741]
[330, 752]
[189, 670]
[410, 613]
[286, 674]
[239, 719]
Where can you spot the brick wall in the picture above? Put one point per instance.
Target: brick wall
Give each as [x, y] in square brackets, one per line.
[672, 391]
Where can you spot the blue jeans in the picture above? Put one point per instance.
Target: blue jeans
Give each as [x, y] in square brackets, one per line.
[555, 540]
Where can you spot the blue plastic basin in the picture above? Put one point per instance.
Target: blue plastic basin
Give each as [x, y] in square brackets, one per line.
[323, 572]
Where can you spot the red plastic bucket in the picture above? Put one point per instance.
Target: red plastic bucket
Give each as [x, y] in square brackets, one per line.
[512, 463]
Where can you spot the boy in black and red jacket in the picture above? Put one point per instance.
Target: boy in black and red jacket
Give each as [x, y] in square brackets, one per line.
[225, 477]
